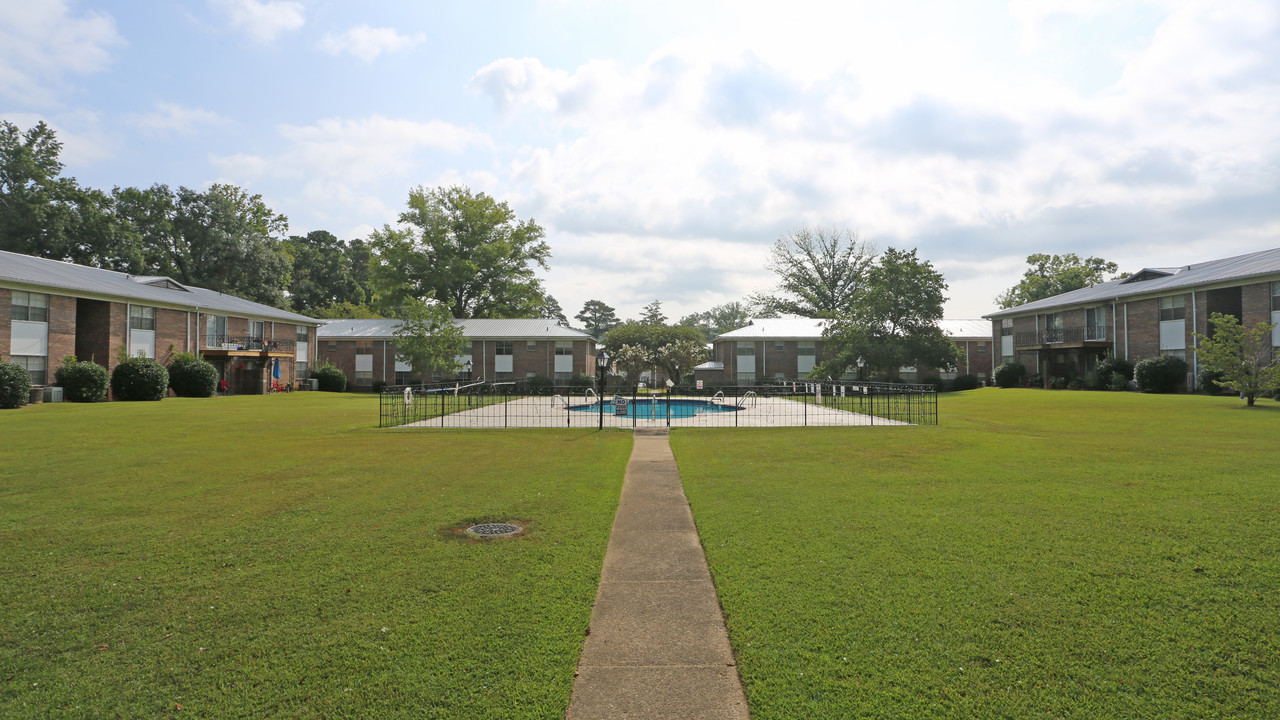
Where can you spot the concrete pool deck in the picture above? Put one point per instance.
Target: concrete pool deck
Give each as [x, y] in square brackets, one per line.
[534, 412]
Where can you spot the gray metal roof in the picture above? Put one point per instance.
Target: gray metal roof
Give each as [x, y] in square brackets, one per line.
[476, 329]
[64, 278]
[811, 329]
[1161, 281]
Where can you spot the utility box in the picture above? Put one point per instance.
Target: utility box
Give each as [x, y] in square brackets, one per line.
[53, 394]
[313, 383]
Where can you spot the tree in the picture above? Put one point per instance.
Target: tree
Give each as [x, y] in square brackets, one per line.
[679, 357]
[551, 309]
[343, 311]
[820, 272]
[223, 239]
[428, 339]
[653, 314]
[895, 324]
[321, 275]
[649, 340]
[719, 319]
[463, 248]
[49, 216]
[1242, 355]
[597, 317]
[631, 361]
[1051, 275]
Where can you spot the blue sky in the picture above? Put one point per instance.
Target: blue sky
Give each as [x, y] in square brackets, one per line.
[664, 146]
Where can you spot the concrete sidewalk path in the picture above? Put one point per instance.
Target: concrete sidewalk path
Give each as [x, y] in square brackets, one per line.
[657, 646]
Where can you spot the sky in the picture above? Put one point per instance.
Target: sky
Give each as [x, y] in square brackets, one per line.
[665, 146]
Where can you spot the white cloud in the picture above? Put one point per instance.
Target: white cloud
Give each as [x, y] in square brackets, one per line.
[172, 117]
[263, 21]
[84, 142]
[42, 41]
[367, 43]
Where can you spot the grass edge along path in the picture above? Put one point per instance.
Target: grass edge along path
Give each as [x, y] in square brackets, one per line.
[280, 557]
[1037, 555]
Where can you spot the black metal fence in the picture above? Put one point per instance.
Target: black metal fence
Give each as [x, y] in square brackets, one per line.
[789, 404]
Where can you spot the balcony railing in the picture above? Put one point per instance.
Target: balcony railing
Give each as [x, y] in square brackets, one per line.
[249, 344]
[1091, 333]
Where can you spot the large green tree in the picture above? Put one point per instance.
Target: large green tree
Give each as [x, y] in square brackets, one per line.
[673, 348]
[1243, 356]
[466, 249]
[322, 274]
[597, 317]
[821, 272]
[428, 339]
[50, 216]
[222, 238]
[1051, 275]
[653, 314]
[719, 319]
[895, 322]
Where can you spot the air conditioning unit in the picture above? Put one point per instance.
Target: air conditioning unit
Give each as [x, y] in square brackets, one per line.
[53, 394]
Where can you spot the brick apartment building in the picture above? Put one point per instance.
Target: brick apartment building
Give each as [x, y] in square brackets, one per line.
[789, 348]
[52, 309]
[500, 350]
[1152, 312]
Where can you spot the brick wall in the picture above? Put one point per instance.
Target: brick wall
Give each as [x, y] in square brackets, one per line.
[1255, 300]
[1144, 328]
[62, 331]
[6, 328]
[171, 333]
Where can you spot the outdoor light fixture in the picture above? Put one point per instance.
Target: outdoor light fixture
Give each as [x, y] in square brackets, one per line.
[467, 367]
[861, 364]
[602, 364]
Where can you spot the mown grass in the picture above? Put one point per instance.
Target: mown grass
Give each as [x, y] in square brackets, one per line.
[280, 557]
[1036, 555]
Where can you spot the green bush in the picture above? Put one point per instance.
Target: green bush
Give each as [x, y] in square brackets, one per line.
[139, 378]
[1161, 374]
[1110, 364]
[191, 376]
[15, 385]
[935, 382]
[965, 382]
[82, 381]
[331, 378]
[580, 383]
[1119, 383]
[379, 386]
[1209, 382]
[1009, 375]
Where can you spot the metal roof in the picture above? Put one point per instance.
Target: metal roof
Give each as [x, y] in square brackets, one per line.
[1157, 281]
[477, 329]
[811, 329]
[64, 278]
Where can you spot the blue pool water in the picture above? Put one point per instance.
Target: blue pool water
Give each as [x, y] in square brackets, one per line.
[649, 408]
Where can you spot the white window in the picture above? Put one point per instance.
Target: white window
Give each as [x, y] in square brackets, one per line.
[805, 354]
[29, 307]
[502, 360]
[1095, 323]
[746, 360]
[1173, 308]
[564, 359]
[1275, 314]
[36, 365]
[530, 345]
[746, 378]
[29, 333]
[142, 330]
[1173, 325]
[364, 362]
[215, 331]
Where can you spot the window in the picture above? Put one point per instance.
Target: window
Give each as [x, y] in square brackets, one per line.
[1095, 323]
[746, 348]
[404, 377]
[364, 347]
[503, 347]
[564, 347]
[1275, 297]
[779, 345]
[804, 357]
[563, 378]
[215, 330]
[1173, 308]
[35, 365]
[1006, 326]
[301, 335]
[300, 372]
[29, 307]
[142, 318]
[530, 345]
[364, 377]
[256, 329]
[746, 378]
[805, 347]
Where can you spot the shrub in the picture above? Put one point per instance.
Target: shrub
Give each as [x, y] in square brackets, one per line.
[1161, 374]
[82, 381]
[331, 378]
[1209, 382]
[935, 382]
[15, 385]
[139, 378]
[537, 383]
[379, 386]
[1119, 383]
[191, 376]
[1057, 383]
[1075, 383]
[1009, 375]
[1094, 380]
[965, 382]
[1110, 364]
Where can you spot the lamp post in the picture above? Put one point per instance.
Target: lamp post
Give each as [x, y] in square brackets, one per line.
[467, 368]
[602, 365]
[861, 364]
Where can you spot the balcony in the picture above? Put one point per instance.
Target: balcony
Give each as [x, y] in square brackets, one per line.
[1072, 336]
[248, 346]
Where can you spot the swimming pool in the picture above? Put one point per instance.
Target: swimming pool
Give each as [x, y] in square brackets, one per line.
[656, 408]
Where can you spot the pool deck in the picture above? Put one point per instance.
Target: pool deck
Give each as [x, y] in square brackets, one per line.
[548, 412]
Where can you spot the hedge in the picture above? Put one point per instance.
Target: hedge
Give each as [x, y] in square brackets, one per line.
[139, 378]
[15, 385]
[191, 376]
[83, 382]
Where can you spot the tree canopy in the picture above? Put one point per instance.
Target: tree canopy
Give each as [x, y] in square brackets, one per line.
[1242, 355]
[597, 317]
[322, 274]
[821, 272]
[1051, 275]
[674, 348]
[464, 248]
[428, 339]
[653, 314]
[895, 322]
[719, 319]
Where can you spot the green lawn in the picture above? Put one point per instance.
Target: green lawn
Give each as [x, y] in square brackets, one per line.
[257, 557]
[1036, 555]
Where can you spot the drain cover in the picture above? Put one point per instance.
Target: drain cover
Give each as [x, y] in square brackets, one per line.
[489, 530]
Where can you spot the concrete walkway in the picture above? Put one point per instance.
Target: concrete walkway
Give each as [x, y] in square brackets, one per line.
[657, 646]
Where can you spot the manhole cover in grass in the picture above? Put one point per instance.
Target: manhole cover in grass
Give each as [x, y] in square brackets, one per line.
[491, 530]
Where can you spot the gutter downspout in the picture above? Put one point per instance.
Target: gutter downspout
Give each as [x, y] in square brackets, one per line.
[1195, 345]
[1126, 331]
[1115, 348]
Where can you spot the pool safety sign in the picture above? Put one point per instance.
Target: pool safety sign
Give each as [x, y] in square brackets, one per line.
[619, 405]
